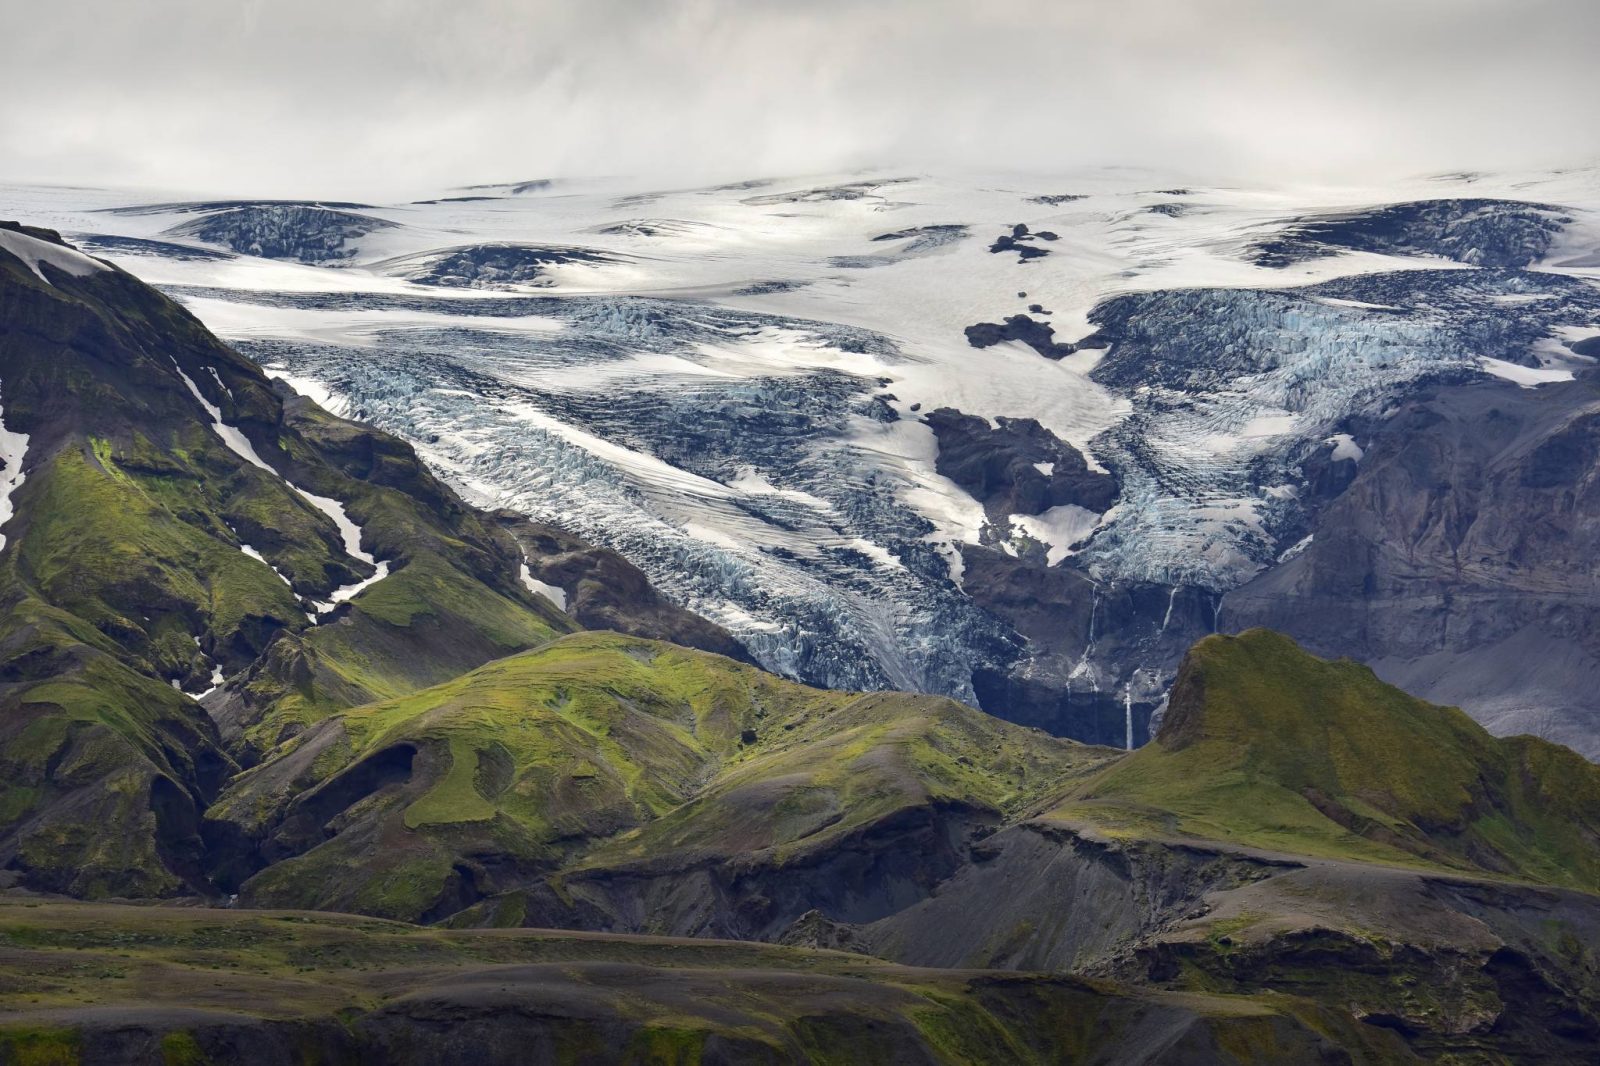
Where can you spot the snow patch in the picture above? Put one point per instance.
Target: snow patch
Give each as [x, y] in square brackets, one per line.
[1296, 548]
[349, 532]
[216, 682]
[1060, 528]
[315, 391]
[33, 252]
[13, 446]
[539, 588]
[258, 557]
[1345, 447]
[1527, 376]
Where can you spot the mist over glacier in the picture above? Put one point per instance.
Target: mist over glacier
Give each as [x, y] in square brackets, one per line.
[387, 100]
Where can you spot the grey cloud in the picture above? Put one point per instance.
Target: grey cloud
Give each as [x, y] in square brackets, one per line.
[388, 97]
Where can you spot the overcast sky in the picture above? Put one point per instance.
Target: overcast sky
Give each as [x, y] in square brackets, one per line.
[388, 97]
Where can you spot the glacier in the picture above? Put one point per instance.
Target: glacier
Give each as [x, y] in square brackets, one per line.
[733, 392]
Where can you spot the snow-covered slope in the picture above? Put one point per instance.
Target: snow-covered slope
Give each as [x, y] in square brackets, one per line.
[730, 385]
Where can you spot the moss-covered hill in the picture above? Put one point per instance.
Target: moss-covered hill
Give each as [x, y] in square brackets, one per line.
[605, 752]
[1266, 745]
[176, 534]
[101, 983]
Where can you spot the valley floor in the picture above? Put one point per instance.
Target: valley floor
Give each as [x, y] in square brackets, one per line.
[126, 983]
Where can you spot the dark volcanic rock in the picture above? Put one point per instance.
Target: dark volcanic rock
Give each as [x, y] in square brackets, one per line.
[1000, 466]
[605, 591]
[1040, 336]
[920, 239]
[1012, 243]
[1080, 639]
[1459, 562]
[856, 190]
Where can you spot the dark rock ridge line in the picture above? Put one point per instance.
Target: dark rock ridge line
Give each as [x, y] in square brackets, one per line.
[857, 190]
[150, 562]
[605, 591]
[926, 238]
[516, 188]
[105, 242]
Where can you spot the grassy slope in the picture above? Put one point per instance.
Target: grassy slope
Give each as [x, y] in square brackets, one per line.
[660, 752]
[1268, 746]
[186, 977]
[123, 572]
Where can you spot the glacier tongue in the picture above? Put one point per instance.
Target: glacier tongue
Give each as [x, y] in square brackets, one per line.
[822, 571]
[741, 460]
[1232, 388]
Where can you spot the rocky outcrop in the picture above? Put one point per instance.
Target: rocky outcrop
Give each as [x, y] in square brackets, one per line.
[1024, 242]
[1016, 466]
[1040, 336]
[602, 590]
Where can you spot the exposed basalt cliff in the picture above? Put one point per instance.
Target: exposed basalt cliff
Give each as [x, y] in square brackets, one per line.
[602, 590]
[1459, 560]
[1040, 336]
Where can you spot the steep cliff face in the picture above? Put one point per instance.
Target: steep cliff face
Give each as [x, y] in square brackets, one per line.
[1459, 562]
